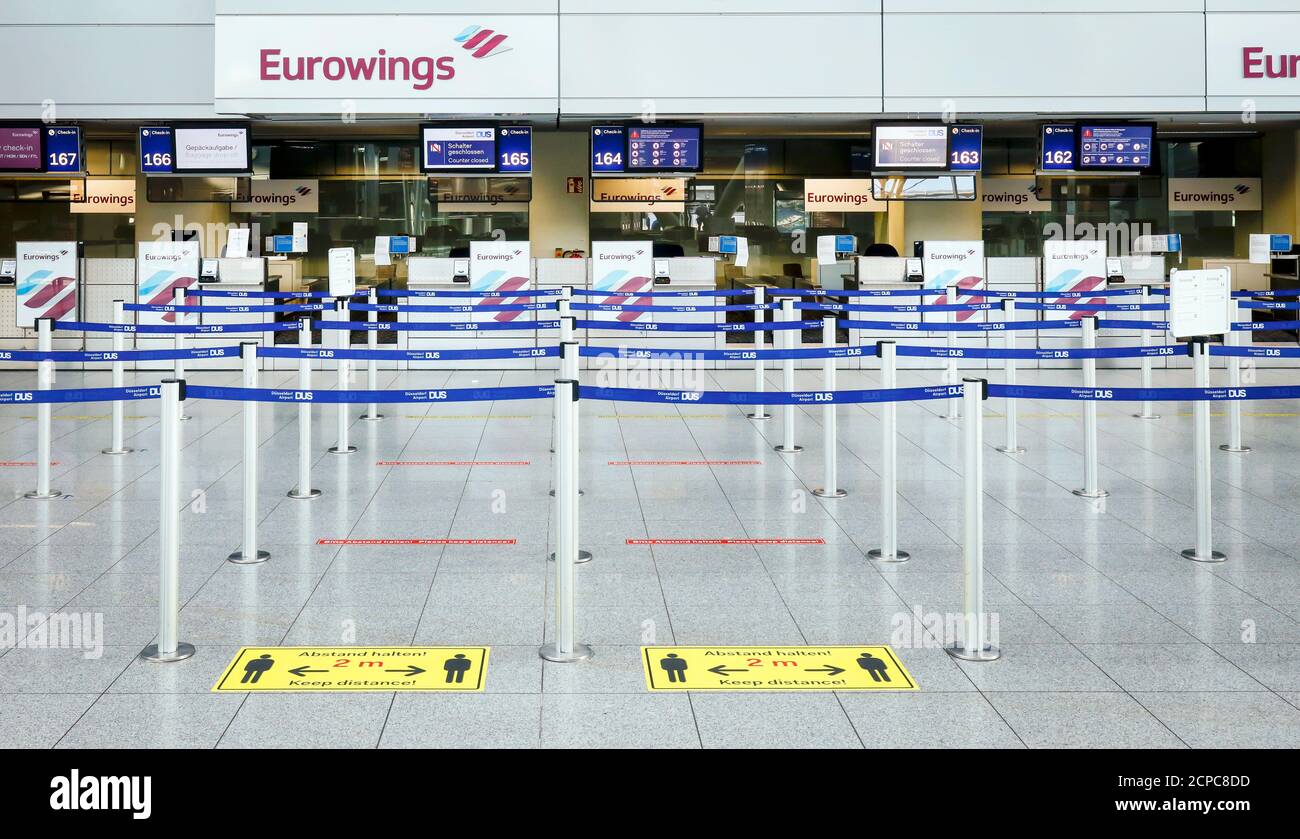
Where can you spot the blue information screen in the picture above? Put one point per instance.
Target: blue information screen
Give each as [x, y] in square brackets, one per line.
[399, 244]
[1115, 146]
[1279, 242]
[727, 244]
[63, 149]
[1057, 148]
[515, 149]
[157, 150]
[282, 243]
[608, 144]
[966, 151]
[458, 148]
[663, 148]
[845, 243]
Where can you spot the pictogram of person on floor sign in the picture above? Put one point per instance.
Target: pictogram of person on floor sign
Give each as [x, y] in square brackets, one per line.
[675, 667]
[457, 666]
[876, 667]
[254, 669]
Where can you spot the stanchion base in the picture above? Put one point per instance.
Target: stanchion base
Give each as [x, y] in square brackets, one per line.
[1146, 416]
[551, 652]
[1238, 449]
[989, 653]
[1083, 493]
[369, 418]
[186, 417]
[302, 496]
[552, 493]
[116, 451]
[1011, 450]
[183, 651]
[54, 493]
[783, 450]
[238, 558]
[1215, 556]
[829, 493]
[877, 555]
[583, 556]
[342, 449]
[758, 416]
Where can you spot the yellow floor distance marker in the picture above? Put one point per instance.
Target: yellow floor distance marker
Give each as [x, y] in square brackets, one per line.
[355, 669]
[774, 668]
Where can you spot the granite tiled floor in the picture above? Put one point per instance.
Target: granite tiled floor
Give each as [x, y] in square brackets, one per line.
[1109, 637]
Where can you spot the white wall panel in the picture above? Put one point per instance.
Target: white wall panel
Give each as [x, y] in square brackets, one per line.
[122, 71]
[721, 63]
[1020, 62]
[686, 7]
[1040, 6]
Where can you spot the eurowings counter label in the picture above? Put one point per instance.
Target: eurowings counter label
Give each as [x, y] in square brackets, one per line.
[1074, 266]
[160, 269]
[46, 282]
[623, 267]
[959, 263]
[480, 42]
[500, 267]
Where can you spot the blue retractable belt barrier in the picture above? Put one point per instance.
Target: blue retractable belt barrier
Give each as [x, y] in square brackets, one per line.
[1093, 307]
[86, 394]
[466, 307]
[634, 326]
[725, 355]
[280, 295]
[466, 326]
[1000, 326]
[621, 307]
[751, 397]
[1255, 352]
[1155, 325]
[168, 329]
[116, 355]
[935, 307]
[1269, 304]
[1264, 326]
[477, 394]
[705, 292]
[1143, 394]
[408, 292]
[222, 310]
[407, 355]
[1105, 292]
[1041, 354]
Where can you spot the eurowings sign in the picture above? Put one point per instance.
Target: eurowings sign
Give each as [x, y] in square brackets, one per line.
[957, 263]
[410, 63]
[46, 282]
[280, 195]
[161, 268]
[500, 266]
[1237, 194]
[1075, 266]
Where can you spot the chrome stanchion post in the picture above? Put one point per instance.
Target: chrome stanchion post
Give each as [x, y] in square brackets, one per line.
[169, 647]
[1090, 480]
[887, 352]
[1147, 412]
[343, 367]
[304, 489]
[760, 343]
[372, 365]
[178, 340]
[974, 644]
[1010, 408]
[788, 445]
[831, 488]
[950, 374]
[1204, 550]
[44, 412]
[1233, 339]
[565, 647]
[118, 444]
[249, 554]
[569, 371]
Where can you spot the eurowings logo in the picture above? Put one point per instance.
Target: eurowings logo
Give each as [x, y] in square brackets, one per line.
[669, 191]
[1241, 189]
[303, 190]
[482, 43]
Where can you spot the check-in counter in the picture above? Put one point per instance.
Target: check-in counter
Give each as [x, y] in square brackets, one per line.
[1018, 274]
[889, 273]
[247, 274]
[686, 275]
[103, 280]
[426, 273]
